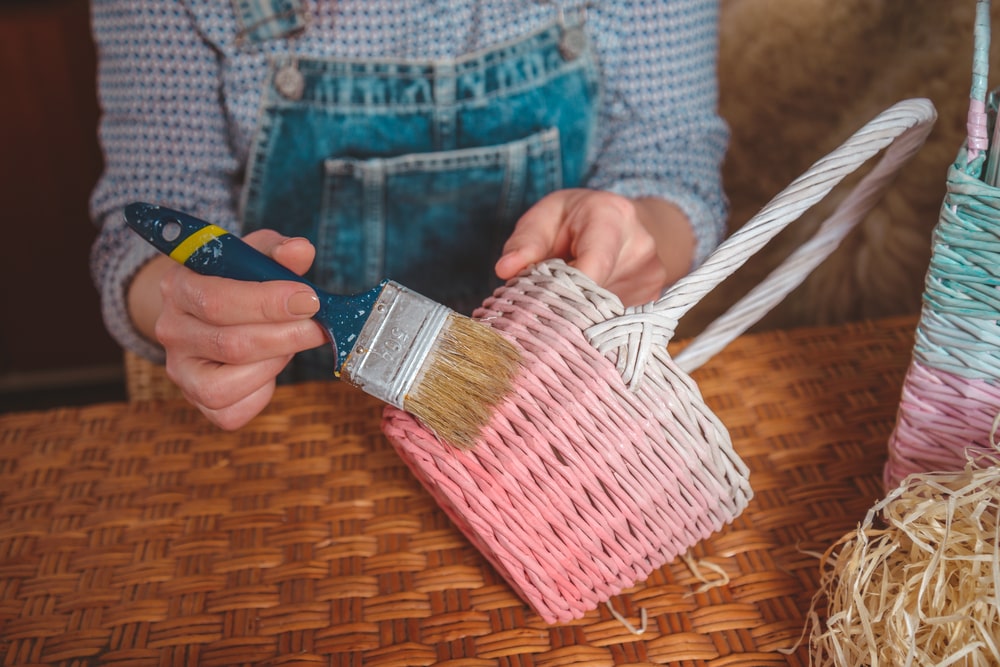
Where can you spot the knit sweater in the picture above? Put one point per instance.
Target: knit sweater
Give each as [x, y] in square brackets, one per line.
[180, 90]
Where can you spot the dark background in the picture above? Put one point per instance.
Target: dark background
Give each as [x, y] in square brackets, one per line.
[53, 345]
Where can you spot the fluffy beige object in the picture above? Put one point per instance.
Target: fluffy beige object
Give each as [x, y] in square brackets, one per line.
[919, 582]
[797, 77]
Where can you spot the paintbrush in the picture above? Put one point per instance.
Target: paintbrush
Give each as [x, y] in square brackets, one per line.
[445, 369]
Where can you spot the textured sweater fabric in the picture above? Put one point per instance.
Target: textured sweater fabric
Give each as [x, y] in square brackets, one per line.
[180, 92]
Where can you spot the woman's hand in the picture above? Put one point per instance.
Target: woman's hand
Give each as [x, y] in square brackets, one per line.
[633, 247]
[227, 340]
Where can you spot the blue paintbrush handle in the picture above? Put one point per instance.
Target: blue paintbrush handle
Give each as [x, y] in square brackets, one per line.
[212, 251]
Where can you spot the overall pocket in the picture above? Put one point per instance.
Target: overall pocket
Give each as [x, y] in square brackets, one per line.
[434, 222]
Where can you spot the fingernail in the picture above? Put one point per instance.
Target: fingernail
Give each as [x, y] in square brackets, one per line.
[302, 303]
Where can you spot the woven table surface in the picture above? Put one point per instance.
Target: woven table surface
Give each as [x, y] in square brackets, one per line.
[139, 534]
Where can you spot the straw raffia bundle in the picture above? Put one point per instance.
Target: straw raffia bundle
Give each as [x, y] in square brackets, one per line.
[919, 581]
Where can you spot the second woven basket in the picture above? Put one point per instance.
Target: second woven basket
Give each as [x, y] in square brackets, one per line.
[605, 462]
[950, 401]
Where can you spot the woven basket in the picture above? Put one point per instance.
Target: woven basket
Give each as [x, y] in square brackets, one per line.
[137, 534]
[605, 462]
[146, 380]
[951, 398]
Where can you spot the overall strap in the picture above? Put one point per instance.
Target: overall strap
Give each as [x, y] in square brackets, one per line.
[262, 20]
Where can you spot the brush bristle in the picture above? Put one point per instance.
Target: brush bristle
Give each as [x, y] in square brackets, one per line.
[469, 371]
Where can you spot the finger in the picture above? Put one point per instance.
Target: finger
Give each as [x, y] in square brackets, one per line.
[635, 290]
[538, 235]
[601, 228]
[241, 410]
[596, 248]
[240, 413]
[224, 302]
[610, 244]
[216, 386]
[236, 344]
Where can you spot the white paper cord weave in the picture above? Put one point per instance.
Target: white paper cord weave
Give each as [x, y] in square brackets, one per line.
[605, 462]
[903, 128]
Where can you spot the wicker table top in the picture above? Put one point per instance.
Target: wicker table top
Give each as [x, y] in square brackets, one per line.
[138, 534]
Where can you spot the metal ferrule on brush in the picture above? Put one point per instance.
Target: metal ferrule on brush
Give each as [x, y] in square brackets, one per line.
[395, 341]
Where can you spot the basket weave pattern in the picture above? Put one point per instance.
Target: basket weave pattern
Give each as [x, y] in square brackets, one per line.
[951, 399]
[581, 487]
[606, 462]
[145, 380]
[138, 534]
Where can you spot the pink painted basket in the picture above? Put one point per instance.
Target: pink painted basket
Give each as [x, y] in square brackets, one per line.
[950, 403]
[605, 462]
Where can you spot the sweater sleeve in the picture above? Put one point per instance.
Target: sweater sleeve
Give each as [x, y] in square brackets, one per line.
[163, 136]
[660, 131]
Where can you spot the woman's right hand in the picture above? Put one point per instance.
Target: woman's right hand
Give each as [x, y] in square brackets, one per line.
[227, 340]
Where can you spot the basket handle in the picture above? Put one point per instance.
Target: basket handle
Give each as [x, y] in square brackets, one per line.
[976, 124]
[901, 129]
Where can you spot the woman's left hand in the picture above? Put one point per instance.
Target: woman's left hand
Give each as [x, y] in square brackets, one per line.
[633, 247]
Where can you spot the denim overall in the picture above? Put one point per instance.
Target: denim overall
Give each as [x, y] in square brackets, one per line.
[415, 171]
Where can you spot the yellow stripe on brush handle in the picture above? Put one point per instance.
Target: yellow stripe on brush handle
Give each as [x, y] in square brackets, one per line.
[196, 242]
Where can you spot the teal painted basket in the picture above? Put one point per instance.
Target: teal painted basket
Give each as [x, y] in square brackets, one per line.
[950, 403]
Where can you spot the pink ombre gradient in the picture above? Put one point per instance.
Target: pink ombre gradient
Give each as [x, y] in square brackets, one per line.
[943, 420]
[579, 487]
